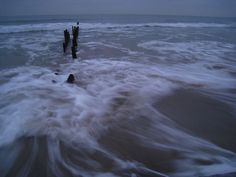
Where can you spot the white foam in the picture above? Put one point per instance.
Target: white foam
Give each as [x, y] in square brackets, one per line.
[78, 114]
[35, 87]
[34, 27]
[198, 47]
[194, 62]
[135, 25]
[61, 110]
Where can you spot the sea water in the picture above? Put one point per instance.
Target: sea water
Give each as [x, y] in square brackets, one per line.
[116, 120]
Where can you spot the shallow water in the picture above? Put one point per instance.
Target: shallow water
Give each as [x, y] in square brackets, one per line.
[153, 96]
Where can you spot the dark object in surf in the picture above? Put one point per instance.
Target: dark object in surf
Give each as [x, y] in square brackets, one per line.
[67, 36]
[73, 52]
[64, 47]
[75, 33]
[71, 79]
[74, 41]
[66, 39]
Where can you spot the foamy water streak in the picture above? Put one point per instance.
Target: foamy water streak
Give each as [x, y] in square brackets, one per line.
[37, 86]
[40, 27]
[106, 93]
[174, 25]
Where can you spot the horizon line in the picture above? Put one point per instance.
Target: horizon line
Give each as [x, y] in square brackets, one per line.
[116, 14]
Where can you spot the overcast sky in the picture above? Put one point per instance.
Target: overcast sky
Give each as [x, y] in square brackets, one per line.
[163, 7]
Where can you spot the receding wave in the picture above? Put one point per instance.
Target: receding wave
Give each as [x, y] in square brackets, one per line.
[80, 126]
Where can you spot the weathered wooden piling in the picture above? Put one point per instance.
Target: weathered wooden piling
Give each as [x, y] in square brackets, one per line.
[64, 47]
[73, 52]
[74, 42]
[75, 34]
[66, 40]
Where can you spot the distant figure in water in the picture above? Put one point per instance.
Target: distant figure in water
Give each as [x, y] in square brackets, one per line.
[71, 79]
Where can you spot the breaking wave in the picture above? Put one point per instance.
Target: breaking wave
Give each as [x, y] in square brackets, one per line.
[40, 27]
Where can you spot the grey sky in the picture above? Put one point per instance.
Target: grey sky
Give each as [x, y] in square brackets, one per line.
[164, 7]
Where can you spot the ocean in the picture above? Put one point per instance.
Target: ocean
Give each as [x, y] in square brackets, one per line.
[154, 96]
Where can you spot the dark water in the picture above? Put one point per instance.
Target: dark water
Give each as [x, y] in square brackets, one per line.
[153, 96]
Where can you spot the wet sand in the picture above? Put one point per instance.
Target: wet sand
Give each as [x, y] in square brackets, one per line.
[123, 139]
[26, 156]
[225, 175]
[29, 157]
[202, 116]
